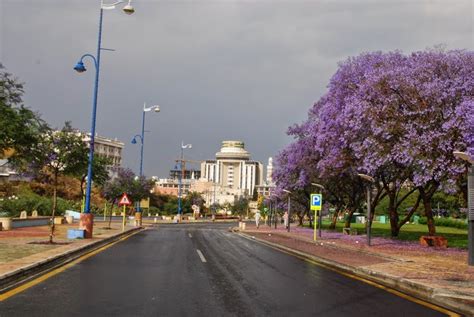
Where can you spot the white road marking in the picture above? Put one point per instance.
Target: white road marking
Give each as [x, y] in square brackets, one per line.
[190, 235]
[203, 259]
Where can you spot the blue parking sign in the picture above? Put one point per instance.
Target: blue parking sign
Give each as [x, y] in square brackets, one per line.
[316, 201]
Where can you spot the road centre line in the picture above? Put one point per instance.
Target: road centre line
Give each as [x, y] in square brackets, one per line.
[203, 259]
[190, 235]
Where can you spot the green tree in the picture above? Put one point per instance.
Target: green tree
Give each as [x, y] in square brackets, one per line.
[100, 174]
[19, 126]
[241, 206]
[126, 182]
[194, 198]
[58, 153]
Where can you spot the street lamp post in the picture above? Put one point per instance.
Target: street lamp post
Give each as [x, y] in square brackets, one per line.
[470, 204]
[289, 209]
[87, 219]
[320, 218]
[142, 142]
[371, 180]
[180, 185]
[142, 136]
[276, 211]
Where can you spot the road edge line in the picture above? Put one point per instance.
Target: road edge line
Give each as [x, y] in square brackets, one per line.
[33, 271]
[409, 290]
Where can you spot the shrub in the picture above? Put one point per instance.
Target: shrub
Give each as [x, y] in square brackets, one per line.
[445, 222]
[30, 201]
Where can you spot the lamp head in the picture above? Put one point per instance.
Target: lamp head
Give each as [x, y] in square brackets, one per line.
[463, 156]
[366, 177]
[134, 141]
[80, 68]
[156, 108]
[128, 9]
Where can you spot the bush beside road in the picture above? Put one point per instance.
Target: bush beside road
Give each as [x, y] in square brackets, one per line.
[410, 232]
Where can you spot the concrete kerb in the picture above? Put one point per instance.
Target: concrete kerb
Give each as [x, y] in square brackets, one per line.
[454, 302]
[28, 272]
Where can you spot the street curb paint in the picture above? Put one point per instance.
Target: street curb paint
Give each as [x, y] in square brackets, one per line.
[409, 290]
[32, 271]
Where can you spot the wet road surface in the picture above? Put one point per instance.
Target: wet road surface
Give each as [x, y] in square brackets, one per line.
[202, 270]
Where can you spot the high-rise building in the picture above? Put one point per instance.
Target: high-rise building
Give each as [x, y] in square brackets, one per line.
[270, 170]
[268, 186]
[232, 169]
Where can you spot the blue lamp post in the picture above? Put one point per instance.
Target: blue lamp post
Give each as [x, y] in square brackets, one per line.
[142, 139]
[180, 185]
[86, 218]
[142, 136]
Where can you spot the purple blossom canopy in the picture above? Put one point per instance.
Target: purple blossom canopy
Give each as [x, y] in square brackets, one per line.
[387, 113]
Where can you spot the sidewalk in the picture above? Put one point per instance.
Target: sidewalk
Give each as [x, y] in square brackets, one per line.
[440, 276]
[23, 249]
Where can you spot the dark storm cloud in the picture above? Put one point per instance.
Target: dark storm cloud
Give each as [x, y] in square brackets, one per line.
[242, 70]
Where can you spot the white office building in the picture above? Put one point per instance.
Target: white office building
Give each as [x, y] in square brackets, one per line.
[233, 170]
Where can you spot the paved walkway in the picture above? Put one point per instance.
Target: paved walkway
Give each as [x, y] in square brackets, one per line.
[23, 247]
[443, 270]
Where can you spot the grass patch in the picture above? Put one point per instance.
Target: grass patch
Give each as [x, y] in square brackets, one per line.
[410, 232]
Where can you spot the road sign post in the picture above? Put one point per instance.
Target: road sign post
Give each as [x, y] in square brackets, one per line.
[315, 204]
[124, 201]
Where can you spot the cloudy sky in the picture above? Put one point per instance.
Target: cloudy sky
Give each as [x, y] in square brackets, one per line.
[220, 70]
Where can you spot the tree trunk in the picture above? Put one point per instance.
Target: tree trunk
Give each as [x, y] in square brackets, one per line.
[347, 222]
[393, 213]
[310, 219]
[332, 226]
[83, 181]
[410, 213]
[429, 214]
[55, 189]
[110, 214]
[300, 219]
[427, 193]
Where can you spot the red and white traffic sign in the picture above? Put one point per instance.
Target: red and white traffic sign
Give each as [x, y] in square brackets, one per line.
[124, 200]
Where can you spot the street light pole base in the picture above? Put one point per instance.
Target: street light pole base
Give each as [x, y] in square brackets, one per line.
[87, 223]
[138, 219]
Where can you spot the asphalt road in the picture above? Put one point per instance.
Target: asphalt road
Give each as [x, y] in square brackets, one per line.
[202, 270]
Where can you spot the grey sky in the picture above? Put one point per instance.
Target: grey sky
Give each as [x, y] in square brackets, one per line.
[220, 70]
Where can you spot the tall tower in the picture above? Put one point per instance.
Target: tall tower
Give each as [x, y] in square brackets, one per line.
[269, 170]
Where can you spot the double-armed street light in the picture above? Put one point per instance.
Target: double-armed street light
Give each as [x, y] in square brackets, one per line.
[289, 209]
[371, 180]
[87, 217]
[470, 203]
[155, 108]
[146, 109]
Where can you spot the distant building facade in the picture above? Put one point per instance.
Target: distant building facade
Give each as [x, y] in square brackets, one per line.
[266, 189]
[108, 148]
[233, 169]
[170, 186]
[231, 175]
